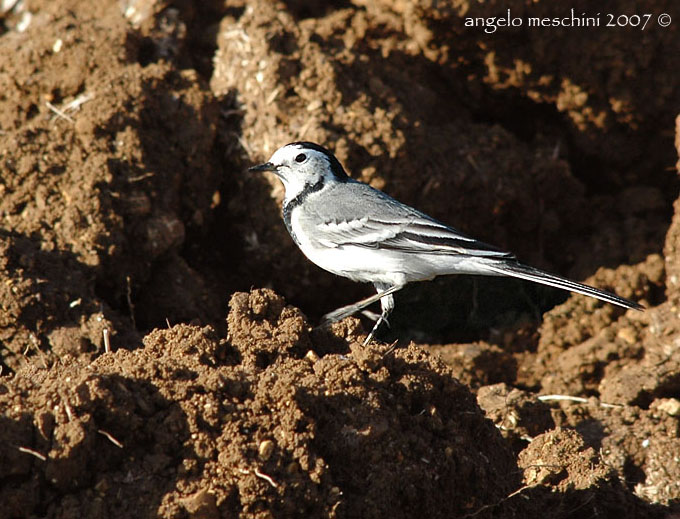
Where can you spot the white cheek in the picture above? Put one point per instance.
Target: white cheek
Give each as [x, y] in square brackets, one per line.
[293, 187]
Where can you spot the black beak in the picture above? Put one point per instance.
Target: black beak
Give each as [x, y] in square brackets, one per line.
[267, 166]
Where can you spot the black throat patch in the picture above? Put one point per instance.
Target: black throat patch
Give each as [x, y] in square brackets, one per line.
[296, 202]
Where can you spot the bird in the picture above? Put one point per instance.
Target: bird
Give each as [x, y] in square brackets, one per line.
[353, 230]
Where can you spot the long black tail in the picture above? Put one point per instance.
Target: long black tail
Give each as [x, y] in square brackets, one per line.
[519, 270]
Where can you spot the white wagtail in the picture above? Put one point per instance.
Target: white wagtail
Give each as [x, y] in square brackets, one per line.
[353, 230]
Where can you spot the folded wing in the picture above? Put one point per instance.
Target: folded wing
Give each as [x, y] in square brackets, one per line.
[410, 234]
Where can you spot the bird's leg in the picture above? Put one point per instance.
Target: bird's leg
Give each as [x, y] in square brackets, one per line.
[346, 311]
[370, 315]
[387, 305]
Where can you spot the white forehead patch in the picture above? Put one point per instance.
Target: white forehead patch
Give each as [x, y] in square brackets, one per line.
[288, 153]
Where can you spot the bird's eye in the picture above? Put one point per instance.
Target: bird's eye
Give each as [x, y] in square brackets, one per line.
[301, 158]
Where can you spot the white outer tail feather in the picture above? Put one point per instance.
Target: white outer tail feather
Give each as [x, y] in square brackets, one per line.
[522, 271]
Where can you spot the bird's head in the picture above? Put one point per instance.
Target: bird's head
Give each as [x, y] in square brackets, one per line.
[301, 165]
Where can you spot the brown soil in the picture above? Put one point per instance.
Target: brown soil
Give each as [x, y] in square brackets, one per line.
[125, 130]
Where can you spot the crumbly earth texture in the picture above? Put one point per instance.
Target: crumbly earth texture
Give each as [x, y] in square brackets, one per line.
[159, 355]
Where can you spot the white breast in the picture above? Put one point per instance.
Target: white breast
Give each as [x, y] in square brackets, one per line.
[358, 263]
